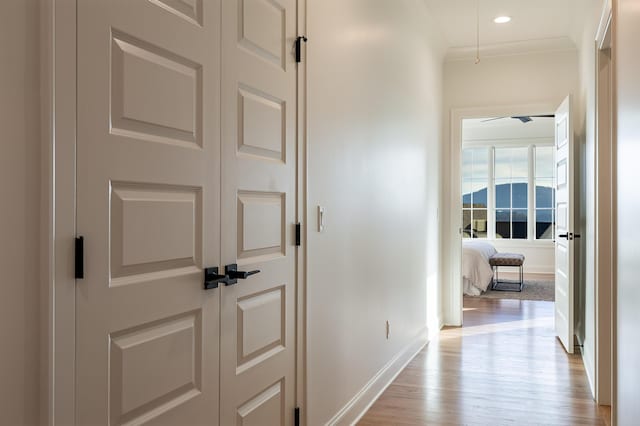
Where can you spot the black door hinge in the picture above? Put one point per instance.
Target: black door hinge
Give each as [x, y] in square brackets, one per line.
[79, 273]
[296, 416]
[299, 41]
[298, 237]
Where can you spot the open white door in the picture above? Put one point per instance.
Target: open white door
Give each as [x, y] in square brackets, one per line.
[564, 225]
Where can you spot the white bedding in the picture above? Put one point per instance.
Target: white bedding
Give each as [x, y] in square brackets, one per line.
[476, 271]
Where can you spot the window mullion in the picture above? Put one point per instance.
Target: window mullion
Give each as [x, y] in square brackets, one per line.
[491, 194]
[532, 195]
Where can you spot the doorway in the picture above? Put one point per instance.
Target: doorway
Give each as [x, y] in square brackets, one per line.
[564, 220]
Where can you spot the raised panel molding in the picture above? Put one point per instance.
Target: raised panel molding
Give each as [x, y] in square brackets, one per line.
[261, 226]
[266, 408]
[562, 134]
[156, 95]
[261, 124]
[262, 30]
[562, 261]
[154, 229]
[261, 327]
[154, 367]
[191, 10]
[562, 173]
[562, 217]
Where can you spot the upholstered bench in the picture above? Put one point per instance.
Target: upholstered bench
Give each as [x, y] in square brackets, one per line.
[506, 259]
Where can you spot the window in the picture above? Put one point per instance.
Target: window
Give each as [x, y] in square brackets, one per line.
[545, 193]
[512, 192]
[508, 192]
[475, 180]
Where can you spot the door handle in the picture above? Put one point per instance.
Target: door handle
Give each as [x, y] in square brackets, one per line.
[212, 279]
[570, 236]
[234, 275]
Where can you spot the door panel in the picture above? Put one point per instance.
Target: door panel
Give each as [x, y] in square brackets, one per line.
[564, 226]
[148, 183]
[262, 123]
[263, 29]
[268, 404]
[261, 225]
[140, 381]
[154, 229]
[258, 180]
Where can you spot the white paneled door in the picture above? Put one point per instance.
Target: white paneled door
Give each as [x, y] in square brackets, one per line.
[186, 160]
[258, 211]
[565, 235]
[148, 183]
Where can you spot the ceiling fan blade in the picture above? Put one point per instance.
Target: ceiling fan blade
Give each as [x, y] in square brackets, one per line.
[492, 119]
[523, 118]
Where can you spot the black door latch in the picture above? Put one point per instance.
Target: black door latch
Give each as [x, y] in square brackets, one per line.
[234, 275]
[212, 279]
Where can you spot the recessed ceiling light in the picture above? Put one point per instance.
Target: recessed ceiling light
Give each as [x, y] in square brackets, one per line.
[502, 19]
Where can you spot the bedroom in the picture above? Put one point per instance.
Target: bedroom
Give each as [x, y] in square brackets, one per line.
[508, 205]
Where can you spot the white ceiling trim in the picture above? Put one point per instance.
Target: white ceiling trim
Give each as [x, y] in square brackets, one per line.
[557, 44]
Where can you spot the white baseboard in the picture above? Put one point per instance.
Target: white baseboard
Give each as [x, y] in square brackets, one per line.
[364, 399]
[589, 365]
[543, 271]
[539, 270]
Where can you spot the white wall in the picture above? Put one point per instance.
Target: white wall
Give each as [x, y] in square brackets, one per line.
[627, 71]
[20, 212]
[527, 79]
[374, 150]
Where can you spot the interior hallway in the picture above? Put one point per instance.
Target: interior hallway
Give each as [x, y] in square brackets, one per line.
[504, 366]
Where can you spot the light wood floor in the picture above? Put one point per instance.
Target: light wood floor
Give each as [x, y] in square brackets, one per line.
[504, 367]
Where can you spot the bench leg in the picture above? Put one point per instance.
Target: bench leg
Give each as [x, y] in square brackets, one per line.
[521, 277]
[494, 281]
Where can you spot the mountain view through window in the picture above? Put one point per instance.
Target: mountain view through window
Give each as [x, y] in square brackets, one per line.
[513, 171]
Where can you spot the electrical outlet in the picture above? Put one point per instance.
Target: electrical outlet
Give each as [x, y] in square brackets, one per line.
[388, 329]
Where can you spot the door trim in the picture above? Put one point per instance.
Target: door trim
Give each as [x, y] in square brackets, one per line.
[58, 119]
[605, 230]
[302, 133]
[453, 290]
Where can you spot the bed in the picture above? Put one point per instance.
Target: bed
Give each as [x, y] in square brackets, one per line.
[476, 271]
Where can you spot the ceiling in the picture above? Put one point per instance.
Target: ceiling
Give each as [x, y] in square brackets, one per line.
[534, 22]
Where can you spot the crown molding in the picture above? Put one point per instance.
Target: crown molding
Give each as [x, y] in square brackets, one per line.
[558, 44]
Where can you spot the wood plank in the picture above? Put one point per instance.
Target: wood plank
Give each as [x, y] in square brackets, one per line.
[503, 367]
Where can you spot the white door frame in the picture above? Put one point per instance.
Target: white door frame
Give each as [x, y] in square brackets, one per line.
[605, 230]
[58, 78]
[301, 214]
[452, 303]
[58, 119]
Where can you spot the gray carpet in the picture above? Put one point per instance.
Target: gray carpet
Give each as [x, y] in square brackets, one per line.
[532, 290]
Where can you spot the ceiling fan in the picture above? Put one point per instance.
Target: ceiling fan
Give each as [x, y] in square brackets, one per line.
[522, 118]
